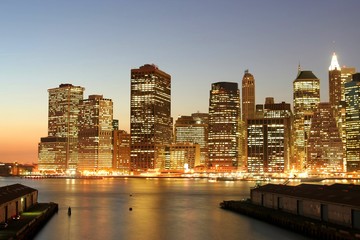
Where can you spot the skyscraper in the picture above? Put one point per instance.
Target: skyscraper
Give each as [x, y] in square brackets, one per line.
[352, 96]
[224, 119]
[248, 96]
[193, 130]
[150, 120]
[306, 97]
[95, 133]
[58, 151]
[335, 83]
[324, 146]
[346, 76]
[269, 139]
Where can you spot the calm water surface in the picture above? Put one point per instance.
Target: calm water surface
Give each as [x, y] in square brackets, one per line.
[162, 209]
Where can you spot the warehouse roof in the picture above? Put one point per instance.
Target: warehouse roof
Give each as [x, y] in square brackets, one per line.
[14, 191]
[344, 194]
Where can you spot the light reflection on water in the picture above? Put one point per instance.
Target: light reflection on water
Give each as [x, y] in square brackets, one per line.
[162, 209]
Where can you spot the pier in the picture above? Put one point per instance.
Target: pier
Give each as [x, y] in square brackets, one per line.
[30, 222]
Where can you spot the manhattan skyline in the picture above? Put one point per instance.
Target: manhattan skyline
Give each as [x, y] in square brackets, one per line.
[95, 45]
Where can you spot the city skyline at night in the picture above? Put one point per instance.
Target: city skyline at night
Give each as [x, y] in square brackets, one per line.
[94, 45]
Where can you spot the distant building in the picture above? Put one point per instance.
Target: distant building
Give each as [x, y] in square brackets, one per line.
[183, 156]
[335, 83]
[269, 139]
[150, 121]
[306, 97]
[324, 145]
[15, 199]
[121, 151]
[352, 96]
[224, 122]
[95, 133]
[193, 129]
[346, 76]
[248, 96]
[58, 151]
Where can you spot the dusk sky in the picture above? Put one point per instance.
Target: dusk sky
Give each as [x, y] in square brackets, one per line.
[94, 44]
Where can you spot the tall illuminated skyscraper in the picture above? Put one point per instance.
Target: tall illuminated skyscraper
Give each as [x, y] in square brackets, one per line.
[95, 133]
[352, 96]
[224, 120]
[248, 96]
[324, 146]
[306, 97]
[150, 121]
[58, 151]
[335, 83]
[346, 76]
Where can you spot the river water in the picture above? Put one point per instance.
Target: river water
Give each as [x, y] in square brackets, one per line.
[162, 209]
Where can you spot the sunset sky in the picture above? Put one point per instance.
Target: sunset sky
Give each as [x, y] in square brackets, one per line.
[94, 44]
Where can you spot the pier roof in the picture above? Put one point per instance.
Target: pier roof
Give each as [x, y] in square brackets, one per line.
[346, 194]
[11, 192]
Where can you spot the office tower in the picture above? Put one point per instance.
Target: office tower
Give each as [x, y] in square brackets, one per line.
[352, 96]
[224, 119]
[269, 139]
[346, 76]
[121, 151]
[150, 121]
[194, 130]
[334, 83]
[324, 145]
[248, 96]
[58, 151]
[183, 156]
[306, 97]
[95, 134]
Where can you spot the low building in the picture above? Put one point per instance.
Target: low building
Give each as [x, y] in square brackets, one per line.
[337, 204]
[15, 199]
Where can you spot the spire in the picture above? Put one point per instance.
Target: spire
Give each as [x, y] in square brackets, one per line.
[334, 63]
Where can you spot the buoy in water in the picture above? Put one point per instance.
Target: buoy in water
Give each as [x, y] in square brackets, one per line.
[130, 209]
[69, 211]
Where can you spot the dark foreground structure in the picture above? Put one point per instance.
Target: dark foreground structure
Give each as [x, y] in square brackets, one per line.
[21, 216]
[318, 211]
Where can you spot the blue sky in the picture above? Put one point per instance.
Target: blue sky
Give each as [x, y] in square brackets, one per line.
[94, 44]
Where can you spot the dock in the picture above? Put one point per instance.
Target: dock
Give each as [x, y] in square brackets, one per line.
[305, 226]
[30, 222]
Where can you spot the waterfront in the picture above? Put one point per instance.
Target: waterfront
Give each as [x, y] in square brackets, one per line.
[162, 209]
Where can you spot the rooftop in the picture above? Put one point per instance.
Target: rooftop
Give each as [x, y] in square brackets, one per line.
[10, 192]
[345, 194]
[306, 75]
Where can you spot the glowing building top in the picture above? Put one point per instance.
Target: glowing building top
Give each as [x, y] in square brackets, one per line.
[334, 63]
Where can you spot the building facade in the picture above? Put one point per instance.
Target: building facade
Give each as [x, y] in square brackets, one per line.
[150, 120]
[58, 152]
[190, 129]
[224, 122]
[324, 146]
[95, 134]
[352, 96]
[121, 151]
[306, 97]
[183, 156]
[269, 139]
